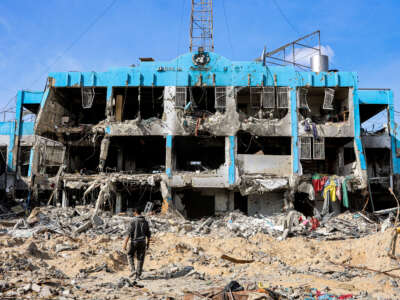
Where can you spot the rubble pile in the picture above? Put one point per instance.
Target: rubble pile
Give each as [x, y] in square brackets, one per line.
[272, 293]
[72, 221]
[53, 254]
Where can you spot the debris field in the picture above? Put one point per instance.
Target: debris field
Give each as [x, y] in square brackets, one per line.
[49, 256]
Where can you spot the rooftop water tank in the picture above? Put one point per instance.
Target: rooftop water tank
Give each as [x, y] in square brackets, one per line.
[320, 63]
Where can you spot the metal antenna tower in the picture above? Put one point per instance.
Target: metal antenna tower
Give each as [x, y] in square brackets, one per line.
[201, 25]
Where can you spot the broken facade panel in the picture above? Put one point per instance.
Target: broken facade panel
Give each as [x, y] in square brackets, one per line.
[203, 138]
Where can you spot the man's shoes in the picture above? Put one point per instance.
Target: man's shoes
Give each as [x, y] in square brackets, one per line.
[138, 277]
[133, 274]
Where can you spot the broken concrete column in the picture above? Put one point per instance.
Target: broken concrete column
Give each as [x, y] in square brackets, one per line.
[166, 195]
[89, 189]
[172, 119]
[118, 203]
[104, 195]
[359, 172]
[168, 156]
[105, 144]
[65, 200]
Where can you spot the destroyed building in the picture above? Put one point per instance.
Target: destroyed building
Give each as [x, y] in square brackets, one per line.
[203, 134]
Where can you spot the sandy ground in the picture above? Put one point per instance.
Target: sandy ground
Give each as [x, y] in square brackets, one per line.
[295, 262]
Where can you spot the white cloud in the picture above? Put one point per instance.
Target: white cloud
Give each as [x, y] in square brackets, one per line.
[67, 63]
[303, 55]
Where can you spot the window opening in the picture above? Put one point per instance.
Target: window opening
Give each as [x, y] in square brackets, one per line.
[283, 97]
[180, 97]
[255, 97]
[303, 98]
[305, 143]
[319, 148]
[220, 98]
[87, 97]
[328, 99]
[323, 105]
[268, 97]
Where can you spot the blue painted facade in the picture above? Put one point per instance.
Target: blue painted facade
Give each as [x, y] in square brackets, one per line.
[18, 128]
[220, 71]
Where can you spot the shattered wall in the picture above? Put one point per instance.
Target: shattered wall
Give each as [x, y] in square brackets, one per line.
[178, 100]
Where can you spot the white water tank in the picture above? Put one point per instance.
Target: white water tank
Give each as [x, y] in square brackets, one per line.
[320, 63]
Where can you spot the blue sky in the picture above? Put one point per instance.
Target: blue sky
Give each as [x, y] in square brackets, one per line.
[364, 35]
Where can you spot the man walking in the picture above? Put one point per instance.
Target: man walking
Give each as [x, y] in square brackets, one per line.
[139, 234]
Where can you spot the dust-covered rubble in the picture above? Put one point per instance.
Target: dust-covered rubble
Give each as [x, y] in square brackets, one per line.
[72, 222]
[286, 255]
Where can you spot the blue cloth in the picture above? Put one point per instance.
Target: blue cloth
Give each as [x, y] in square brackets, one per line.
[314, 129]
[306, 126]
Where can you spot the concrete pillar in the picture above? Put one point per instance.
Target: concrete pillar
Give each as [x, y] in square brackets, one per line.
[171, 120]
[169, 156]
[169, 109]
[340, 160]
[294, 127]
[110, 104]
[230, 158]
[118, 203]
[166, 194]
[119, 104]
[105, 144]
[221, 201]
[65, 200]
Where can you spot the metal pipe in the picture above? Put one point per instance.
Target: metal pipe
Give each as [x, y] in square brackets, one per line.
[288, 44]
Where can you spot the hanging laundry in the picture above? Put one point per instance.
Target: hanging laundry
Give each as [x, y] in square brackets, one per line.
[316, 179]
[338, 192]
[315, 132]
[318, 182]
[324, 180]
[338, 188]
[325, 207]
[330, 188]
[345, 196]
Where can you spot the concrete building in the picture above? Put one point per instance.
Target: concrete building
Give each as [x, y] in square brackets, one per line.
[203, 134]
